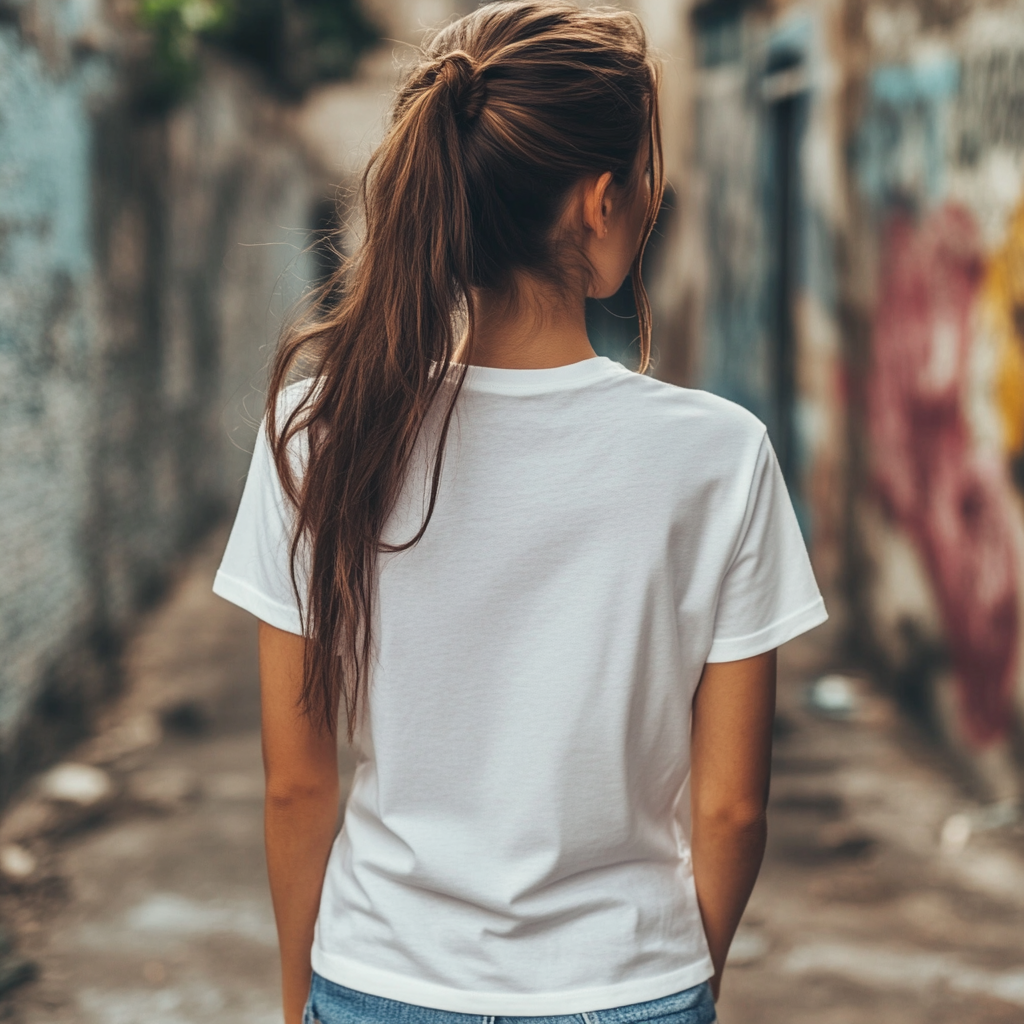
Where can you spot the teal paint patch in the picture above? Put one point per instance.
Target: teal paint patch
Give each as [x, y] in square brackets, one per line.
[901, 146]
[935, 80]
[44, 166]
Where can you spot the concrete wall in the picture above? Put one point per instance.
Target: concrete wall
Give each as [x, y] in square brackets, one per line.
[140, 257]
[881, 257]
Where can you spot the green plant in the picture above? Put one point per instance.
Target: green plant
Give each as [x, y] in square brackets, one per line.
[175, 26]
[294, 42]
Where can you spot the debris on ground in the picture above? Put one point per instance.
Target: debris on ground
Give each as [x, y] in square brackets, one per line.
[958, 828]
[832, 696]
[79, 784]
[17, 863]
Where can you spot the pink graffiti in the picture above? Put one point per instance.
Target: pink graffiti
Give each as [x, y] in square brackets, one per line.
[927, 472]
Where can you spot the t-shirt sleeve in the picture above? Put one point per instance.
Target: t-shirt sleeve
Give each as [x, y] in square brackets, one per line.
[255, 572]
[769, 594]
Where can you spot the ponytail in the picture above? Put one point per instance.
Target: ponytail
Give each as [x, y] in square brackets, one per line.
[511, 107]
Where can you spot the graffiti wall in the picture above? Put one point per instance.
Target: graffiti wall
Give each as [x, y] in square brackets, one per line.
[939, 168]
[861, 173]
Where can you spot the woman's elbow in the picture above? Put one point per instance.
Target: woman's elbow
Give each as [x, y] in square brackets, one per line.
[284, 792]
[742, 817]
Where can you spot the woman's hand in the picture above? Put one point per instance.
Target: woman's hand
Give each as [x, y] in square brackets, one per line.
[731, 746]
[300, 760]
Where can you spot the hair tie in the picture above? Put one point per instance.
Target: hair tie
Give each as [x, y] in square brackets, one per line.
[461, 75]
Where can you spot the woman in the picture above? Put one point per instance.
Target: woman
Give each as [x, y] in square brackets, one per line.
[546, 591]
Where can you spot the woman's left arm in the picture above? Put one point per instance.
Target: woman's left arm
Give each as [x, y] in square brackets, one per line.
[300, 761]
[730, 764]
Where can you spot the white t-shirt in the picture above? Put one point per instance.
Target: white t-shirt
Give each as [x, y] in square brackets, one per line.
[512, 843]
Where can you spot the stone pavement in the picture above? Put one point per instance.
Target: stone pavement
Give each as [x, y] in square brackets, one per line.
[154, 909]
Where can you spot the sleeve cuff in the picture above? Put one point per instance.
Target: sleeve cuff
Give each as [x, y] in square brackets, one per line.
[268, 610]
[767, 639]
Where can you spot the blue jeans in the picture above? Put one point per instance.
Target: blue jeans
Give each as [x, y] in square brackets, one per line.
[334, 1004]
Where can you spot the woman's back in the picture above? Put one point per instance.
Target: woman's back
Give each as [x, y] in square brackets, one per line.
[512, 843]
[541, 591]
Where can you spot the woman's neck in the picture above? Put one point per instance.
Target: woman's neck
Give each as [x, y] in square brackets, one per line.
[541, 329]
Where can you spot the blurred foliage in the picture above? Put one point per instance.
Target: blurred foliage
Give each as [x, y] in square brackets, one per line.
[296, 43]
[175, 26]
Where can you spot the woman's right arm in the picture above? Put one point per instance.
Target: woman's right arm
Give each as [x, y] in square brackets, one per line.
[300, 761]
[730, 751]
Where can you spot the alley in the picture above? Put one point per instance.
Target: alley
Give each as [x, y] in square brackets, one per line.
[155, 909]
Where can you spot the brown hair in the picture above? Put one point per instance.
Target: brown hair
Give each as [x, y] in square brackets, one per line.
[507, 110]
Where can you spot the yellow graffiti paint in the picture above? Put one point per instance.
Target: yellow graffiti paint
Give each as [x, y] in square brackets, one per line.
[1003, 297]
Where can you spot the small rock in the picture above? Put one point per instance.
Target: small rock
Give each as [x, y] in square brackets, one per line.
[17, 863]
[956, 833]
[958, 828]
[79, 784]
[833, 696]
[164, 789]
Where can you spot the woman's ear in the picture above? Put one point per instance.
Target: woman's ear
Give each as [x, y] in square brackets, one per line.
[597, 204]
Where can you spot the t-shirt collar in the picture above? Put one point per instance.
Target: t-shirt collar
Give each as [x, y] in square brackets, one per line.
[501, 381]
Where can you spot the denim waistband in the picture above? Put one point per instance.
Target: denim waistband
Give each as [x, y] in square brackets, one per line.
[330, 1003]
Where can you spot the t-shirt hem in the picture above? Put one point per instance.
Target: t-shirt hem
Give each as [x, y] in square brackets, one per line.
[772, 636]
[252, 600]
[400, 988]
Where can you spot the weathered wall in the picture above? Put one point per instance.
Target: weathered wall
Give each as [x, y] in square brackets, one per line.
[881, 259]
[138, 258]
[47, 328]
[938, 176]
[765, 211]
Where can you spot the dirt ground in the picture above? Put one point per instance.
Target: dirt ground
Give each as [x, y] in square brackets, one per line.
[155, 909]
